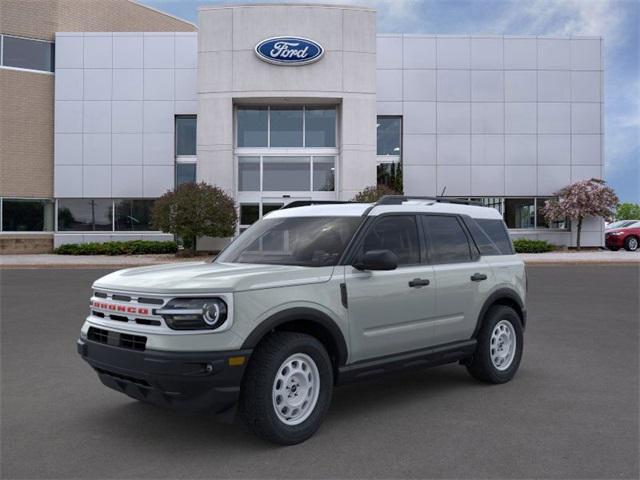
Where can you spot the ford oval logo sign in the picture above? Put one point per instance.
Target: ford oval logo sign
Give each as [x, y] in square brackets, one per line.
[289, 50]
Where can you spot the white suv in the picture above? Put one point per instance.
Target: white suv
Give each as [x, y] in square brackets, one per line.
[308, 298]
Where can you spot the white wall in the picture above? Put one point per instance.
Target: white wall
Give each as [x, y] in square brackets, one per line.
[116, 95]
[495, 116]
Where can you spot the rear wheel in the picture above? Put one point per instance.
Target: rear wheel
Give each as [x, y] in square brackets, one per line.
[499, 349]
[287, 388]
[631, 243]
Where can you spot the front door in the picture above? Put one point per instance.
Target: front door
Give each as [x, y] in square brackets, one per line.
[391, 311]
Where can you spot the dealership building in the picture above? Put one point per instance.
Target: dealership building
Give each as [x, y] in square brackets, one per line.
[104, 111]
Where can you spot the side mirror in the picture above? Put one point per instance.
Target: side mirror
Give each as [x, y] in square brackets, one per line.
[377, 260]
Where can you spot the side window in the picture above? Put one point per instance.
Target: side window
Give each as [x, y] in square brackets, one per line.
[447, 239]
[481, 238]
[396, 233]
[497, 232]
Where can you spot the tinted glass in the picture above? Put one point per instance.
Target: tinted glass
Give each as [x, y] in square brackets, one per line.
[498, 234]
[389, 131]
[485, 244]
[270, 207]
[396, 233]
[134, 215]
[83, 214]
[390, 174]
[519, 212]
[447, 241]
[305, 241]
[27, 215]
[24, 53]
[248, 174]
[542, 222]
[286, 174]
[324, 174]
[185, 173]
[186, 135]
[249, 214]
[493, 202]
[252, 127]
[286, 127]
[320, 127]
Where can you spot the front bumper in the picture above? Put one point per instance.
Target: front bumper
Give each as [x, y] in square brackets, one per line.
[194, 381]
[614, 241]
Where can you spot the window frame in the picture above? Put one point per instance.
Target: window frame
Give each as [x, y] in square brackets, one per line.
[22, 69]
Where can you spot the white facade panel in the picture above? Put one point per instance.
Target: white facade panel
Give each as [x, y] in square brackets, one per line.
[128, 51]
[96, 149]
[68, 148]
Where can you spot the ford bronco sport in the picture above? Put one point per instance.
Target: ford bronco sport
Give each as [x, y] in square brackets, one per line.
[309, 298]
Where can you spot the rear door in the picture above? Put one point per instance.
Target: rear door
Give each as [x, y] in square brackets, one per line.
[462, 278]
[391, 311]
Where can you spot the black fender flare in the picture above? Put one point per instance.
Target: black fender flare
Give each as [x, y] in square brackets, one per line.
[499, 296]
[298, 314]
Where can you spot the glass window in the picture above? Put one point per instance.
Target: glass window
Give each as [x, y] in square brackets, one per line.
[305, 241]
[389, 131]
[320, 127]
[25, 53]
[390, 174]
[497, 232]
[397, 233]
[519, 212]
[252, 127]
[249, 213]
[493, 202]
[324, 174]
[447, 241]
[186, 126]
[270, 207]
[249, 174]
[85, 215]
[133, 215]
[286, 127]
[22, 215]
[541, 221]
[286, 174]
[185, 173]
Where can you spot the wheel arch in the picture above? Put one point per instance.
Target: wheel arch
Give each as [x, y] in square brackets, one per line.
[506, 297]
[304, 320]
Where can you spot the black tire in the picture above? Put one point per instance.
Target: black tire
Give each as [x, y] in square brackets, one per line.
[614, 249]
[481, 366]
[631, 243]
[256, 403]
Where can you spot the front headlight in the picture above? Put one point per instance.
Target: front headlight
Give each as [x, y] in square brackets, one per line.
[194, 313]
[616, 233]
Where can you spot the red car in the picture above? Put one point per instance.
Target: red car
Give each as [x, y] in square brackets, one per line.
[627, 237]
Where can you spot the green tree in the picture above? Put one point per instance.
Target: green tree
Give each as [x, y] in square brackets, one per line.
[195, 210]
[628, 211]
[373, 193]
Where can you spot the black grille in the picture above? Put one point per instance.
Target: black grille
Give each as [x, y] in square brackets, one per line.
[122, 340]
[152, 301]
[126, 378]
[121, 298]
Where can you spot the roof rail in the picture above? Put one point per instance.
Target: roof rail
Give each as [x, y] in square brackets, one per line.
[399, 199]
[307, 203]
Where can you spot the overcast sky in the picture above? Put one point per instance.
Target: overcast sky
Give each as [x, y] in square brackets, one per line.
[616, 20]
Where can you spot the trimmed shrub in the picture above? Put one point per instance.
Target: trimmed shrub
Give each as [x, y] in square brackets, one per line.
[133, 247]
[524, 245]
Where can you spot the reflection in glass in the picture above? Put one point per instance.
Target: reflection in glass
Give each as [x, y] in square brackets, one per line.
[320, 127]
[519, 212]
[133, 215]
[186, 135]
[389, 133]
[185, 173]
[324, 174]
[286, 174]
[84, 215]
[248, 174]
[252, 127]
[286, 127]
[19, 215]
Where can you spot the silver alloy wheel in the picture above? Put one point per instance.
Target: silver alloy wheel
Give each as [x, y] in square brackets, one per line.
[633, 244]
[503, 345]
[295, 389]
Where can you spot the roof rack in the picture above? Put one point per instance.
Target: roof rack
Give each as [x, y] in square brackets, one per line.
[399, 199]
[306, 203]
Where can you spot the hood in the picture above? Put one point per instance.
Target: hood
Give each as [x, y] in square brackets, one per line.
[205, 277]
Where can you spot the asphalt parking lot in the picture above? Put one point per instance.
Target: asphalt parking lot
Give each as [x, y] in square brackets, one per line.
[571, 412]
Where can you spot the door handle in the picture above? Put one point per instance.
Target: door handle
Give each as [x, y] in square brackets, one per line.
[478, 277]
[419, 282]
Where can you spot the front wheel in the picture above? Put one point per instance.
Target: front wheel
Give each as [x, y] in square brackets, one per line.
[499, 348]
[287, 388]
[631, 244]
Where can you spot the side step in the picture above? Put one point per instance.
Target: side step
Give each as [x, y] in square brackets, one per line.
[428, 357]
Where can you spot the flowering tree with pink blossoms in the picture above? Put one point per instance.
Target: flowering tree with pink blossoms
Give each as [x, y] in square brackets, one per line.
[586, 198]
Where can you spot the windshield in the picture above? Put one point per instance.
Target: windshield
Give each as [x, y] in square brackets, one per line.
[620, 224]
[303, 241]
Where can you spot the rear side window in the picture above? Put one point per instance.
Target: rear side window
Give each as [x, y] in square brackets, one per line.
[396, 233]
[498, 234]
[485, 244]
[447, 240]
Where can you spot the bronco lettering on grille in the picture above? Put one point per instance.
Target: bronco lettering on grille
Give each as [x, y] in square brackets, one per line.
[119, 308]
